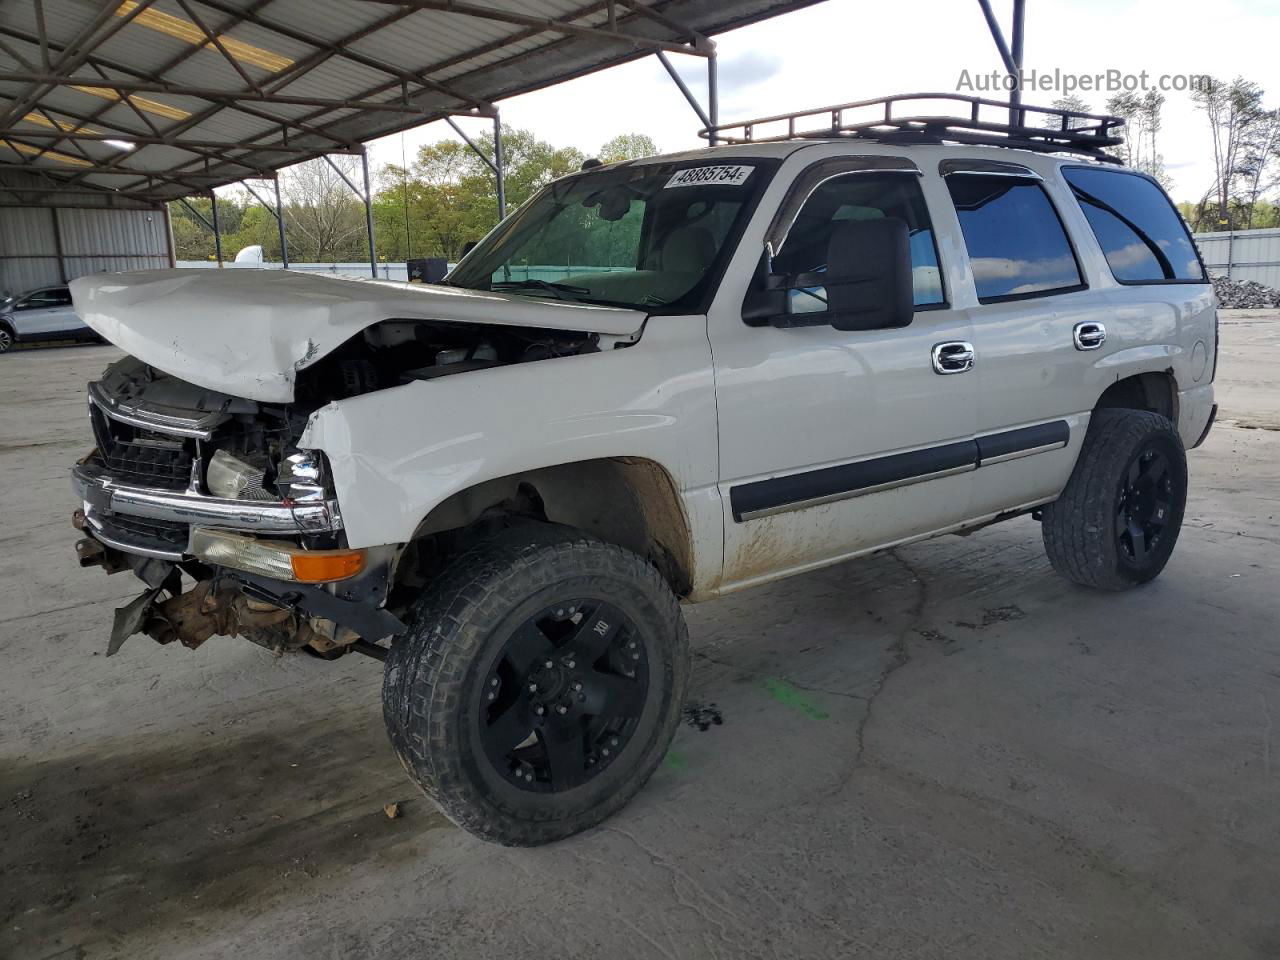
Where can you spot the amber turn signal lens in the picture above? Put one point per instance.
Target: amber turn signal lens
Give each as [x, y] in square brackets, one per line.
[323, 566]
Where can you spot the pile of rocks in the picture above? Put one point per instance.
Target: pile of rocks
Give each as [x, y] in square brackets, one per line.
[1244, 294]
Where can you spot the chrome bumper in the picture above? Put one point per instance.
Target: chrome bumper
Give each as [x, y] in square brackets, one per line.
[103, 496]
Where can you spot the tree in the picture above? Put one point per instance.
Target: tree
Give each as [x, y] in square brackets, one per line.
[1142, 123]
[324, 219]
[1232, 109]
[627, 146]
[1260, 153]
[1069, 102]
[448, 196]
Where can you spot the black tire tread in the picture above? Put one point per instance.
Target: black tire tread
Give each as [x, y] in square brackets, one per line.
[1076, 526]
[426, 669]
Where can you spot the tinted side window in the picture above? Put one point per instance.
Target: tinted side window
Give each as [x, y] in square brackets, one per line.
[49, 298]
[860, 196]
[1141, 234]
[1017, 245]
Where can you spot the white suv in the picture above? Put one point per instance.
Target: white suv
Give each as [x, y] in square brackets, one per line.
[658, 381]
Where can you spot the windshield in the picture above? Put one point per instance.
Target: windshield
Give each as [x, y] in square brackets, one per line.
[652, 236]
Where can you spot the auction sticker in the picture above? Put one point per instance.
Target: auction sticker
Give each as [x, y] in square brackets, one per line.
[732, 176]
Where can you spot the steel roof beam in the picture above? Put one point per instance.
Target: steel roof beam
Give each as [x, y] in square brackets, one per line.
[675, 26]
[73, 56]
[214, 39]
[228, 97]
[342, 48]
[98, 62]
[545, 24]
[148, 140]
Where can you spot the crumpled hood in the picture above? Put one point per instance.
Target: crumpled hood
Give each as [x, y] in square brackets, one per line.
[248, 332]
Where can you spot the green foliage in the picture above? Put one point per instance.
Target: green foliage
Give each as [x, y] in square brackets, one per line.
[450, 193]
[627, 146]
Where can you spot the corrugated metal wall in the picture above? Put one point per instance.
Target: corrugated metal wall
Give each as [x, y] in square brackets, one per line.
[42, 245]
[1243, 255]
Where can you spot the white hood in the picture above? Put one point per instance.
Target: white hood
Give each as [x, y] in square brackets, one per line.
[248, 332]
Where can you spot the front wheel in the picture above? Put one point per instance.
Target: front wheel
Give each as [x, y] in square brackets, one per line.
[539, 684]
[1117, 521]
[7, 339]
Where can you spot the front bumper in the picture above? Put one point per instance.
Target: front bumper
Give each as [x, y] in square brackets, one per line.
[154, 522]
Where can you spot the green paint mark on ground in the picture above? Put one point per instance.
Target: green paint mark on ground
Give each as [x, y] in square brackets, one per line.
[789, 695]
[675, 761]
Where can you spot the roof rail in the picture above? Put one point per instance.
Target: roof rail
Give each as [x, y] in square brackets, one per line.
[1055, 130]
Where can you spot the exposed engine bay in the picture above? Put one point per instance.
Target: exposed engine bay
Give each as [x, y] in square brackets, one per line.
[396, 352]
[174, 460]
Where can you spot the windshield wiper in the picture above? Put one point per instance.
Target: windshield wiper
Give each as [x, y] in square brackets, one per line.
[559, 289]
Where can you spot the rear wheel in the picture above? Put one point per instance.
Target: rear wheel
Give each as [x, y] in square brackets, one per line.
[1117, 521]
[539, 684]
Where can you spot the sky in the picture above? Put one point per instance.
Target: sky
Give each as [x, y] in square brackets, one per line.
[845, 50]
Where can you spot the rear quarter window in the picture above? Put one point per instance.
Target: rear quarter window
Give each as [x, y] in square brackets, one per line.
[1141, 234]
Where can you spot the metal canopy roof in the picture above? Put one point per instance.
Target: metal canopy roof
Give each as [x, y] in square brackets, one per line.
[210, 92]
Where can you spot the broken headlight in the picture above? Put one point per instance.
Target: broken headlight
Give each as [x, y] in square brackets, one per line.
[230, 477]
[302, 476]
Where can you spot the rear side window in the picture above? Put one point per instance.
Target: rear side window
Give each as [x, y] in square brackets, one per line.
[1143, 237]
[49, 298]
[1017, 245]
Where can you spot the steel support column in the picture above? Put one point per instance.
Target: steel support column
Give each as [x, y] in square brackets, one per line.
[284, 246]
[713, 97]
[62, 261]
[1012, 59]
[1019, 13]
[499, 166]
[368, 214]
[711, 115]
[217, 228]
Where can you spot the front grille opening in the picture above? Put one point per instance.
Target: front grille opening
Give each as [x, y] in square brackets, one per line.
[137, 454]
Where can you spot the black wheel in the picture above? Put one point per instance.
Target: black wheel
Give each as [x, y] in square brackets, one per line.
[1117, 521]
[7, 339]
[539, 684]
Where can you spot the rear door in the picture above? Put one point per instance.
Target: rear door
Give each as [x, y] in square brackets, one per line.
[1030, 290]
[836, 442]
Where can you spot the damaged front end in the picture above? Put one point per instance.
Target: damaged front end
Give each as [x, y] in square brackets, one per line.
[233, 529]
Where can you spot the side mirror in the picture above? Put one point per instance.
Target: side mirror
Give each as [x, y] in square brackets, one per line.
[869, 275]
[469, 246]
[867, 283]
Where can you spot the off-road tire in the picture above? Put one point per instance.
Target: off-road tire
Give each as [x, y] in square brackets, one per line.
[1082, 529]
[435, 682]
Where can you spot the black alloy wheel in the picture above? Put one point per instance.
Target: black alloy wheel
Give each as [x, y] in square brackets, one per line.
[1144, 505]
[564, 696]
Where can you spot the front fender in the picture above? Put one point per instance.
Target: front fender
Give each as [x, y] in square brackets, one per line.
[397, 453]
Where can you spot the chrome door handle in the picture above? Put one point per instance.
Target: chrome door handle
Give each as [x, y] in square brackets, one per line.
[956, 356]
[1089, 335]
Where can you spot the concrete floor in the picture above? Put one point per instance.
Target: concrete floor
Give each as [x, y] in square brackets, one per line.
[944, 751]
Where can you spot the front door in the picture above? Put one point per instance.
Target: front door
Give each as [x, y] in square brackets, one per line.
[45, 314]
[833, 443]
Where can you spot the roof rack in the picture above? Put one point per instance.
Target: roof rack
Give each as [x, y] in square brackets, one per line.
[1055, 130]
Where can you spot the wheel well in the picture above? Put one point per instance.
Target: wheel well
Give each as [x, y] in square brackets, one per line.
[1154, 392]
[630, 502]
